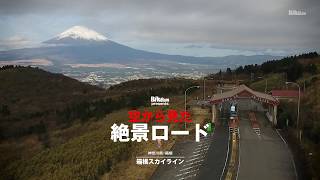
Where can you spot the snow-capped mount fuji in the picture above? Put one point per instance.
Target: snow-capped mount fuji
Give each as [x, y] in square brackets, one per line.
[77, 34]
[83, 45]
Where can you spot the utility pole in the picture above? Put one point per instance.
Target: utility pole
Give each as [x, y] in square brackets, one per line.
[265, 89]
[204, 88]
[185, 101]
[298, 113]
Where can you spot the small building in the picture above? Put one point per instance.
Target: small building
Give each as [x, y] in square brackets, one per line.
[285, 94]
[243, 94]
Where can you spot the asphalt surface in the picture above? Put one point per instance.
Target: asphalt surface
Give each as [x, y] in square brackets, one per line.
[213, 166]
[194, 154]
[263, 156]
[203, 160]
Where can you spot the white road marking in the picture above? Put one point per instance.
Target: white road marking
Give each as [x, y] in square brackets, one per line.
[203, 144]
[199, 157]
[190, 176]
[188, 172]
[225, 162]
[205, 149]
[239, 156]
[198, 148]
[196, 155]
[193, 165]
[292, 160]
[184, 169]
[195, 162]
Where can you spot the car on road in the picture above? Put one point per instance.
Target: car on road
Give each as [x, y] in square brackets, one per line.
[233, 111]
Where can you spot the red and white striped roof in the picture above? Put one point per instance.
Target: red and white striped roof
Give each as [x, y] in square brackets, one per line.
[243, 91]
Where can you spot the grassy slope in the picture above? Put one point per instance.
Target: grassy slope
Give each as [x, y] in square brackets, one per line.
[277, 81]
[26, 90]
[90, 155]
[80, 151]
[81, 157]
[274, 81]
[33, 95]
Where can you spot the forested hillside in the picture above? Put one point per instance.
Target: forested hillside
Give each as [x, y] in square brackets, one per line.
[59, 126]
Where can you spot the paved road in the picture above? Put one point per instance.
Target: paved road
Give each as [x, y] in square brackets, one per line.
[194, 153]
[213, 166]
[204, 160]
[265, 156]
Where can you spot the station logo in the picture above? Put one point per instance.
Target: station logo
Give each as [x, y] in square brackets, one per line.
[296, 13]
[159, 101]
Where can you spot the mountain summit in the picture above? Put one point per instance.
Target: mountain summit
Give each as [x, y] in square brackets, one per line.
[83, 45]
[78, 34]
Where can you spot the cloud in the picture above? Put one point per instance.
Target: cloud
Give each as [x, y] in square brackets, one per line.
[249, 24]
[191, 46]
[14, 42]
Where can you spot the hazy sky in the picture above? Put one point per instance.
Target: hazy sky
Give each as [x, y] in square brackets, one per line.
[188, 27]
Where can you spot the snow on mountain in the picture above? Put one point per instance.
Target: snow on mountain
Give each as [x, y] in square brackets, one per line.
[81, 33]
[81, 45]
